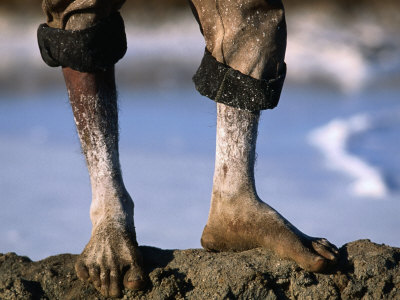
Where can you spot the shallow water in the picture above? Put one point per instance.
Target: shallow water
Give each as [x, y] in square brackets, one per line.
[167, 152]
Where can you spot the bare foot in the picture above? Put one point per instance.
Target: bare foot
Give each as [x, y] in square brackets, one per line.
[243, 222]
[111, 259]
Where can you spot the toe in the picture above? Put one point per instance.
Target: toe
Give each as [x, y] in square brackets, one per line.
[115, 287]
[325, 249]
[329, 245]
[312, 262]
[134, 279]
[94, 273]
[319, 264]
[81, 271]
[105, 282]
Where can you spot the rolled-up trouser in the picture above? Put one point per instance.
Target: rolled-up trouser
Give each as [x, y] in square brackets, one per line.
[243, 65]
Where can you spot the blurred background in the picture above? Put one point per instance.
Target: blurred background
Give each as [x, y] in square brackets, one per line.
[328, 156]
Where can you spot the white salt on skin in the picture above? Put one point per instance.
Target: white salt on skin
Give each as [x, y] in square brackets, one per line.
[112, 247]
[100, 146]
[235, 149]
[238, 219]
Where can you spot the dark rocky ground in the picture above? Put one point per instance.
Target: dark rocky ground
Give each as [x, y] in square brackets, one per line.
[365, 271]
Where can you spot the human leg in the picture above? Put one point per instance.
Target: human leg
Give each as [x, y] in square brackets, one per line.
[111, 258]
[243, 71]
[238, 219]
[112, 252]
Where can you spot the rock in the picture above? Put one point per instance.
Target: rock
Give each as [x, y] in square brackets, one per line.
[366, 270]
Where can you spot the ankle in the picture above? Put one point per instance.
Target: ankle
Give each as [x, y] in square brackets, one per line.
[231, 193]
[233, 180]
[111, 206]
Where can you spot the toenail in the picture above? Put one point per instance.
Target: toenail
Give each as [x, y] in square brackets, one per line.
[134, 278]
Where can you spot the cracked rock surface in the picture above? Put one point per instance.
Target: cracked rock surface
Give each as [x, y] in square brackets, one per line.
[366, 271]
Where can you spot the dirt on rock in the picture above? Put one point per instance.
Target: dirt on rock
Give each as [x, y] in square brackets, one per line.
[365, 271]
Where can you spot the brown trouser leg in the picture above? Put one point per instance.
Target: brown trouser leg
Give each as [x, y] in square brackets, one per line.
[78, 14]
[245, 40]
[247, 35]
[84, 35]
[245, 48]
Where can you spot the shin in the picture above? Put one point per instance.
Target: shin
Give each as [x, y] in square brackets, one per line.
[94, 103]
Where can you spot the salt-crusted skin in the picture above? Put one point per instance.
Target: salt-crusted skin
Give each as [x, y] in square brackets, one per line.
[112, 254]
[238, 219]
[248, 36]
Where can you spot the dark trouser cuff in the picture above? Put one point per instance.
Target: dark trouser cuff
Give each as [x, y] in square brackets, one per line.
[92, 49]
[223, 84]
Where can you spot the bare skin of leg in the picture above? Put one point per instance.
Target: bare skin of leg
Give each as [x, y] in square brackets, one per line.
[111, 258]
[238, 219]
